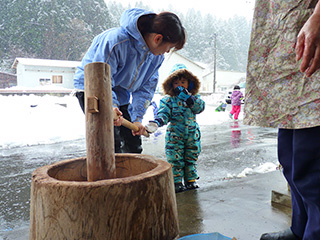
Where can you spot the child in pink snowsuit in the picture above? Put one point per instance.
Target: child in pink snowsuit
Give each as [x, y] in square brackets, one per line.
[236, 98]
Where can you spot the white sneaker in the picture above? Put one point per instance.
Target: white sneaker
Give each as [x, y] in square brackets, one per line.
[230, 115]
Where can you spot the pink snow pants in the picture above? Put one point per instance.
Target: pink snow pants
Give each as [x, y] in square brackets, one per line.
[235, 110]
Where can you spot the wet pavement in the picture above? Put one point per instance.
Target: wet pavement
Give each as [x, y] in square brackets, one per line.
[225, 202]
[238, 208]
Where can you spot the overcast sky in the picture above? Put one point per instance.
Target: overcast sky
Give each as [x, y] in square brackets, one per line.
[219, 8]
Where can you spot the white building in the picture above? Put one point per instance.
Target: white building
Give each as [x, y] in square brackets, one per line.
[224, 80]
[37, 72]
[174, 58]
[40, 72]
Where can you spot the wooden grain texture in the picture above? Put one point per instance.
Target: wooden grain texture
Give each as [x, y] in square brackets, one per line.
[99, 122]
[139, 204]
[129, 124]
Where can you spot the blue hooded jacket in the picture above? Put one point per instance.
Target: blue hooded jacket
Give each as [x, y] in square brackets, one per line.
[134, 69]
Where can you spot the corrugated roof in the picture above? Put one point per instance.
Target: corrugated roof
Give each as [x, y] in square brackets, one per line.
[45, 62]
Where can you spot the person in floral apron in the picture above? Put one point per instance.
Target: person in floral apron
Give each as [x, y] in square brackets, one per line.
[283, 91]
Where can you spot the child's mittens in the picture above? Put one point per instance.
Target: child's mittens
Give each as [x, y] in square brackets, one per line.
[184, 95]
[152, 126]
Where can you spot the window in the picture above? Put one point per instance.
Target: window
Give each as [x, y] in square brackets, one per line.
[57, 79]
[45, 81]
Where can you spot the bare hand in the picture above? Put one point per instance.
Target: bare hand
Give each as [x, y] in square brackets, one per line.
[142, 129]
[117, 117]
[308, 45]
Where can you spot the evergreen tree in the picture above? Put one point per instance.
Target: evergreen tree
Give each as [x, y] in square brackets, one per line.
[70, 26]
[196, 40]
[64, 29]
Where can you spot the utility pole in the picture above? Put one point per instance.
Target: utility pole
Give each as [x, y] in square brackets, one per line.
[215, 65]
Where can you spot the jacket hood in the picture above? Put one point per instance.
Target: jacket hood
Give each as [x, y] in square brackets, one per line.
[129, 22]
[194, 82]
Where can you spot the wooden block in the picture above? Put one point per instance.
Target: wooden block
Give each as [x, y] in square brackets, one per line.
[281, 198]
[93, 106]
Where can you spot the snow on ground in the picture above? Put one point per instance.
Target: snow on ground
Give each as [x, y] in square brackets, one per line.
[266, 167]
[33, 120]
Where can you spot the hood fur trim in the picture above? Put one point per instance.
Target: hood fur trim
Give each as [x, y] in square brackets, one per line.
[167, 84]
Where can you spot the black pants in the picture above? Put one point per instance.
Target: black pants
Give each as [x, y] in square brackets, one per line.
[124, 141]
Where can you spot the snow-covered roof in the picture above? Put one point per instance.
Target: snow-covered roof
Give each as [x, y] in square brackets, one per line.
[45, 62]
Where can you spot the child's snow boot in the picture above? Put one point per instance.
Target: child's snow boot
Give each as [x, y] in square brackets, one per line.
[178, 187]
[191, 185]
[230, 115]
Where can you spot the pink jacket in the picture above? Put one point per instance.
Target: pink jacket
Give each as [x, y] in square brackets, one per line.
[236, 97]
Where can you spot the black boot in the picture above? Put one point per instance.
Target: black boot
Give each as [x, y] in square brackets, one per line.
[178, 187]
[282, 235]
[191, 185]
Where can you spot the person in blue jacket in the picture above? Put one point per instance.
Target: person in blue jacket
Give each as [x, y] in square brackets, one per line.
[134, 52]
[179, 107]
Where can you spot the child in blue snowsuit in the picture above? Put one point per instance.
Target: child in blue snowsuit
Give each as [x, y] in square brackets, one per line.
[179, 107]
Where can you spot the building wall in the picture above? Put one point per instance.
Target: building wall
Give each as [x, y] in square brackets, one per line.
[37, 72]
[7, 80]
[172, 59]
[30, 71]
[34, 76]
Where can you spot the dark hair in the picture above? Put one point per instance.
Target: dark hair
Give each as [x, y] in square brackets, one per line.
[167, 24]
[236, 87]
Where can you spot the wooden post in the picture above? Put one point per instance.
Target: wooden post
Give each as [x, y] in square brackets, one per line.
[67, 201]
[99, 122]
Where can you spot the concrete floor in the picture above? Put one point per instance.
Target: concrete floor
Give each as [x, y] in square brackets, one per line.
[238, 208]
